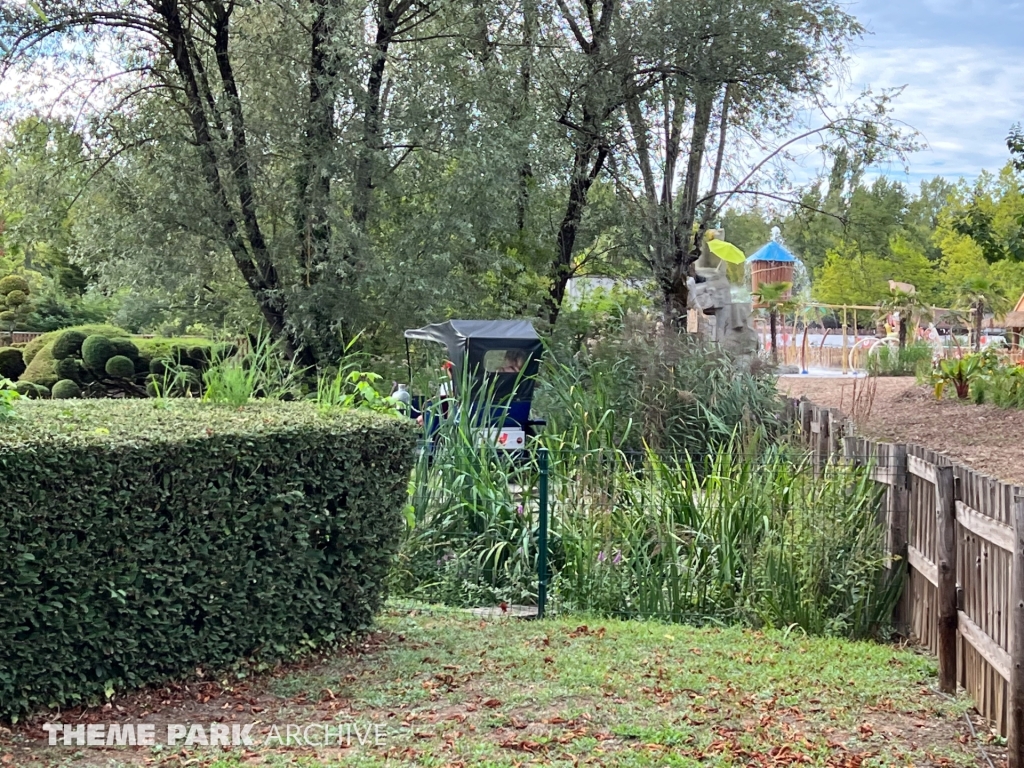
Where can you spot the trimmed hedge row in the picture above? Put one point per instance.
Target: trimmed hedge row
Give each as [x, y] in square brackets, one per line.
[138, 544]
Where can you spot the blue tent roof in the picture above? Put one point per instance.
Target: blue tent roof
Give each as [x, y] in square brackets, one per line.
[773, 252]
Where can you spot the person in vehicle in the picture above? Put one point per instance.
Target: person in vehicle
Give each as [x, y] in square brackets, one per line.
[514, 361]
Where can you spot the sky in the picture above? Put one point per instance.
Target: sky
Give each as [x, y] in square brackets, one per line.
[962, 62]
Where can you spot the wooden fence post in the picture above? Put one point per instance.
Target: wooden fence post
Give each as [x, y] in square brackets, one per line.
[824, 442]
[1015, 742]
[946, 512]
[805, 420]
[899, 525]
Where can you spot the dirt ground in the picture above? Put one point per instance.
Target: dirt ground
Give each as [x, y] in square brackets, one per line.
[983, 437]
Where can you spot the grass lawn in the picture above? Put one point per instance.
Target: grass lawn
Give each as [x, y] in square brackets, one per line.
[448, 689]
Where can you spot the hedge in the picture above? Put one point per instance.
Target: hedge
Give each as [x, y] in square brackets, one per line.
[138, 543]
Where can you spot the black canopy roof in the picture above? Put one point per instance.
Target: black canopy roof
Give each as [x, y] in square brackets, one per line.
[467, 341]
[456, 333]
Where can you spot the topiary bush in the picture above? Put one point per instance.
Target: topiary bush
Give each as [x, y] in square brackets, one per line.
[96, 350]
[13, 283]
[125, 348]
[31, 391]
[120, 367]
[12, 363]
[69, 368]
[65, 389]
[116, 582]
[68, 344]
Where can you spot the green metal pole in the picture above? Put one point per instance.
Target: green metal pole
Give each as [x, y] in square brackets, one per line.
[542, 534]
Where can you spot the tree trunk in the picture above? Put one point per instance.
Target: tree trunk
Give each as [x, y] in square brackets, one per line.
[903, 331]
[979, 310]
[686, 249]
[773, 322]
[586, 168]
[372, 144]
[255, 266]
[315, 178]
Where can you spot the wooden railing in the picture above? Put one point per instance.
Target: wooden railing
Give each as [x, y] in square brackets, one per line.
[962, 535]
[19, 337]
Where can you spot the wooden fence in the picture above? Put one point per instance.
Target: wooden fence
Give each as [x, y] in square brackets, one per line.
[962, 535]
[19, 337]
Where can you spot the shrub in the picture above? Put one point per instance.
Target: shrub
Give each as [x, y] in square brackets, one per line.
[47, 340]
[12, 283]
[12, 364]
[120, 367]
[187, 536]
[68, 368]
[65, 389]
[16, 298]
[96, 350]
[68, 344]
[31, 391]
[125, 348]
[893, 361]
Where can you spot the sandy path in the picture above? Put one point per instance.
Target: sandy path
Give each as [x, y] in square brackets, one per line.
[986, 438]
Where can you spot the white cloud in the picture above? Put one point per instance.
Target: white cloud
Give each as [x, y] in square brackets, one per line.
[962, 100]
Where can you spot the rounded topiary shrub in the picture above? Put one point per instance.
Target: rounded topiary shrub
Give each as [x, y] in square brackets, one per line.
[68, 368]
[65, 389]
[125, 348]
[26, 389]
[120, 367]
[12, 364]
[13, 283]
[158, 367]
[199, 355]
[68, 344]
[96, 350]
[16, 298]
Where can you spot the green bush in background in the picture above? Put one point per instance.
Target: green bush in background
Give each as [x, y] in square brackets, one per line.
[892, 361]
[140, 543]
[12, 363]
[65, 389]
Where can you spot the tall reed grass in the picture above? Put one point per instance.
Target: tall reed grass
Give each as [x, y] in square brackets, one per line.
[719, 523]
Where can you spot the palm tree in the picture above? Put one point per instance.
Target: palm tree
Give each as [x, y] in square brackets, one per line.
[980, 295]
[775, 297]
[906, 305]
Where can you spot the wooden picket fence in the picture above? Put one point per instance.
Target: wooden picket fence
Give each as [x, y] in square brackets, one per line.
[18, 337]
[962, 535]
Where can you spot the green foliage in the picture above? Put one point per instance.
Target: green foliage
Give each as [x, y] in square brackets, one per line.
[8, 397]
[69, 368]
[66, 389]
[125, 348]
[145, 589]
[68, 344]
[260, 372]
[120, 367]
[641, 388]
[743, 535]
[893, 361]
[14, 301]
[96, 351]
[31, 391]
[963, 372]
[47, 339]
[12, 363]
[13, 284]
[347, 389]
